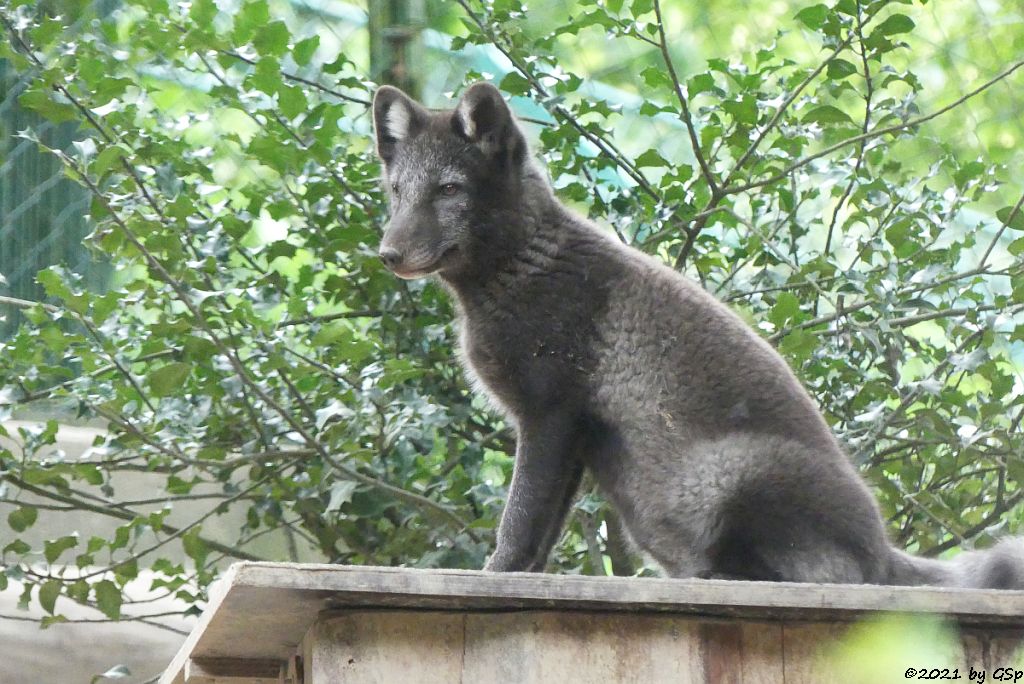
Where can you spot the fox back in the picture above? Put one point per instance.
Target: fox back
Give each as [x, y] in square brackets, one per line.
[602, 358]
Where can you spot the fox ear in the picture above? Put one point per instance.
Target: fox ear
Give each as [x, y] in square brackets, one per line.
[396, 118]
[483, 118]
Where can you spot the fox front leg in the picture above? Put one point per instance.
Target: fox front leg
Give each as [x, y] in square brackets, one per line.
[544, 479]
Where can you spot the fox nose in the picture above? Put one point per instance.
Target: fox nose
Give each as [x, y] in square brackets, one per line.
[391, 257]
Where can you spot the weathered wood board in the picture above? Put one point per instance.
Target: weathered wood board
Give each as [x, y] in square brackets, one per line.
[360, 624]
[536, 647]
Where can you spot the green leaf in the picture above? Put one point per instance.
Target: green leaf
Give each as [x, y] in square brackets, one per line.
[332, 332]
[640, 7]
[53, 283]
[1004, 215]
[656, 78]
[54, 548]
[840, 69]
[897, 23]
[167, 380]
[194, 546]
[78, 591]
[272, 39]
[292, 100]
[514, 84]
[126, 571]
[17, 547]
[48, 594]
[968, 172]
[901, 237]
[813, 17]
[701, 83]
[203, 12]
[89, 472]
[175, 485]
[1015, 468]
[121, 536]
[341, 494]
[251, 16]
[267, 75]
[826, 114]
[743, 110]
[787, 306]
[22, 518]
[798, 345]
[108, 599]
[109, 156]
[44, 104]
[304, 50]
[44, 476]
[49, 620]
[651, 158]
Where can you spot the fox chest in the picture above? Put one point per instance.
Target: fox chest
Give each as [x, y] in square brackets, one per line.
[523, 372]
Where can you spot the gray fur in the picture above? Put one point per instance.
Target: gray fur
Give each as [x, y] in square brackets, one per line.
[604, 359]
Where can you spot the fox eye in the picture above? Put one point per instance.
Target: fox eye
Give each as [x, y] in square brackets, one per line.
[449, 189]
[394, 188]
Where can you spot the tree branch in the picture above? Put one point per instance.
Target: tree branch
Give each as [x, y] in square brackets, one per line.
[869, 92]
[1014, 212]
[896, 128]
[684, 105]
[120, 512]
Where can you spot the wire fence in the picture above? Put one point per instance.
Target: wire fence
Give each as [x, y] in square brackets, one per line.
[43, 214]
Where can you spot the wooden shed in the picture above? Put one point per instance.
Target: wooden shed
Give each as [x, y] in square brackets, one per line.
[318, 624]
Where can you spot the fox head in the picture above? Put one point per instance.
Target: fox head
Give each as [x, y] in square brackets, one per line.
[454, 179]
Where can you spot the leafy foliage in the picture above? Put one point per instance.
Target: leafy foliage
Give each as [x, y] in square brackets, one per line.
[252, 353]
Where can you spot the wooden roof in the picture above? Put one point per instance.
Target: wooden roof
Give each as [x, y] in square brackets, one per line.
[262, 610]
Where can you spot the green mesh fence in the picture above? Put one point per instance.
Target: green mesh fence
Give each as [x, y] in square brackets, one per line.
[43, 214]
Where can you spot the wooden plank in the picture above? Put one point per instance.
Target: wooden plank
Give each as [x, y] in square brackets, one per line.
[233, 671]
[473, 590]
[175, 672]
[992, 649]
[381, 647]
[350, 586]
[811, 655]
[264, 609]
[540, 647]
[808, 650]
[741, 652]
[293, 672]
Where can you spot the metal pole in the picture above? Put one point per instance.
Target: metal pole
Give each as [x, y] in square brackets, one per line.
[394, 31]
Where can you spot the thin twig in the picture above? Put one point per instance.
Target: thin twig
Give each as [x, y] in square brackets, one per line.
[868, 93]
[774, 121]
[1002, 229]
[145, 619]
[873, 134]
[683, 104]
[122, 513]
[326, 318]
